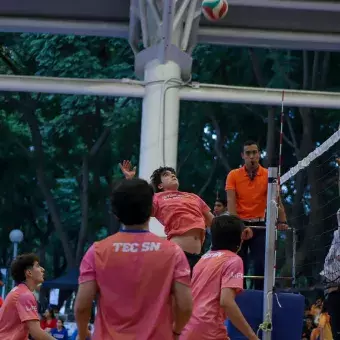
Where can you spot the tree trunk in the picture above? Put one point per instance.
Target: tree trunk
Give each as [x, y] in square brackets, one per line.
[84, 185]
[84, 199]
[33, 124]
[271, 157]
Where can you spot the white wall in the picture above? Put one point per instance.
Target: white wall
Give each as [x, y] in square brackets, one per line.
[157, 228]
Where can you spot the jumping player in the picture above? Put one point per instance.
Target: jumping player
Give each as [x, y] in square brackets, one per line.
[216, 280]
[185, 216]
[19, 313]
[136, 274]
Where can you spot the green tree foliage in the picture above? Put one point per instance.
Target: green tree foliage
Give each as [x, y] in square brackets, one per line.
[59, 153]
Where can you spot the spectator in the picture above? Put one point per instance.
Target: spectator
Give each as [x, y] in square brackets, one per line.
[60, 332]
[331, 274]
[323, 331]
[75, 334]
[220, 207]
[308, 328]
[49, 321]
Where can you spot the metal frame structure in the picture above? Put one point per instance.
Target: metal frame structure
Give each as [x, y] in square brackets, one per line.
[169, 31]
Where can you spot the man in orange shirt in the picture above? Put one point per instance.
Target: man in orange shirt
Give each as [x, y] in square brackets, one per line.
[184, 215]
[247, 198]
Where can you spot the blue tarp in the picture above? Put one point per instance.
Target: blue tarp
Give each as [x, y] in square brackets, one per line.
[67, 281]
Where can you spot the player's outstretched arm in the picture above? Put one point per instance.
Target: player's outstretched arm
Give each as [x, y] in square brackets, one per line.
[127, 169]
[36, 332]
[227, 302]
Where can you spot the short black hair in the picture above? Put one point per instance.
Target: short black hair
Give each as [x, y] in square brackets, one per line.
[226, 232]
[20, 264]
[222, 201]
[132, 201]
[251, 142]
[156, 177]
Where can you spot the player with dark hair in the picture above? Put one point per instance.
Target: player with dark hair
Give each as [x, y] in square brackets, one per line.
[246, 189]
[184, 215]
[142, 281]
[216, 280]
[19, 313]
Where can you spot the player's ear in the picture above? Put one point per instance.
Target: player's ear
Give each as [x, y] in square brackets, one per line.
[28, 272]
[160, 186]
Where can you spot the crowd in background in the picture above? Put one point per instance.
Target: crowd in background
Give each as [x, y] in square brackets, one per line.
[317, 322]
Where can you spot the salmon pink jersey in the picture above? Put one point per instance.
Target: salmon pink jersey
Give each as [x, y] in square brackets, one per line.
[214, 271]
[19, 306]
[179, 212]
[134, 271]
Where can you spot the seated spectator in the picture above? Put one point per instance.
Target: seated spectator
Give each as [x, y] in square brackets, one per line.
[75, 334]
[49, 321]
[323, 331]
[308, 328]
[60, 332]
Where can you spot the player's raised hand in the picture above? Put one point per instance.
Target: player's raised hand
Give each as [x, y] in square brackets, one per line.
[127, 169]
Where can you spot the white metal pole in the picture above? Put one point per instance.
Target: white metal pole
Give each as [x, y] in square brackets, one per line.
[15, 254]
[195, 92]
[269, 273]
[160, 117]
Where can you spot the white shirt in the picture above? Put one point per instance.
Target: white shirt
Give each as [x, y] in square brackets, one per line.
[331, 270]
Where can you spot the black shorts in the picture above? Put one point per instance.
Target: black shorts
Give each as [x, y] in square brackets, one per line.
[192, 259]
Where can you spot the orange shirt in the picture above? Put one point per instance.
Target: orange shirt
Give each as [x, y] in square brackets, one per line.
[251, 195]
[179, 212]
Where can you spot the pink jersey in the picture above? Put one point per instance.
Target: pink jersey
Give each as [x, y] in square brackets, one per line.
[215, 270]
[134, 272]
[179, 212]
[20, 306]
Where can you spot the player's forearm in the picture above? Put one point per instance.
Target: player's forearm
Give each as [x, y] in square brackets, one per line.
[41, 335]
[281, 213]
[82, 319]
[181, 318]
[236, 317]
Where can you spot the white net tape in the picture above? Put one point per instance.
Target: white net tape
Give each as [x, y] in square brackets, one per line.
[311, 157]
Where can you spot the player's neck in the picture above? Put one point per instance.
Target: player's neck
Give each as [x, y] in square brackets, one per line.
[136, 227]
[31, 285]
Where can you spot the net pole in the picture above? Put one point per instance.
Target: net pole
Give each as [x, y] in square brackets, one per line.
[269, 273]
[294, 258]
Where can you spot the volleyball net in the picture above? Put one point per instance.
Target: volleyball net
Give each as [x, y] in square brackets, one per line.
[311, 194]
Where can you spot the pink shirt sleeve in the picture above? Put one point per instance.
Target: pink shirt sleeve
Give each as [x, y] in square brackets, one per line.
[204, 206]
[27, 307]
[182, 269]
[230, 182]
[87, 267]
[154, 206]
[232, 274]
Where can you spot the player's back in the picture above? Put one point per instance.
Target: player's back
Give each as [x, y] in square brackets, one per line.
[214, 271]
[134, 273]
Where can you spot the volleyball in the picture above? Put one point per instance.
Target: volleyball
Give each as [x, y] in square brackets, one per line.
[214, 10]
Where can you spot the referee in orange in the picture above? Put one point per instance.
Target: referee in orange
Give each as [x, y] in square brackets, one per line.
[247, 198]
